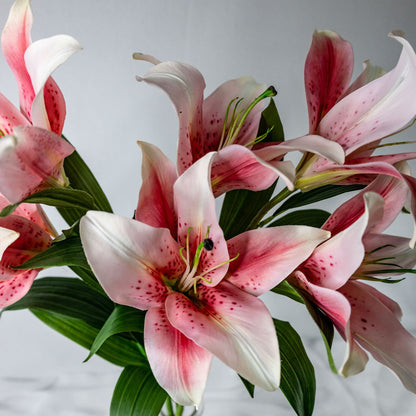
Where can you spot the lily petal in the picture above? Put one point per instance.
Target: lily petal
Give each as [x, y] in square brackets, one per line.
[179, 365]
[155, 206]
[42, 58]
[197, 218]
[234, 326]
[377, 109]
[10, 116]
[331, 265]
[378, 330]
[267, 256]
[14, 289]
[185, 86]
[328, 69]
[129, 257]
[14, 40]
[29, 158]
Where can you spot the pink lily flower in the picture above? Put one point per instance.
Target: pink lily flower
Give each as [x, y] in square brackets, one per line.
[358, 116]
[173, 261]
[227, 122]
[367, 319]
[31, 159]
[41, 101]
[23, 234]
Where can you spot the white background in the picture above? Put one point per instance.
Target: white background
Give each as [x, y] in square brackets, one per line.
[41, 373]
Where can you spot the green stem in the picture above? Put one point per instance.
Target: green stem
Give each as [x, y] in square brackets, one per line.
[284, 193]
[179, 410]
[169, 407]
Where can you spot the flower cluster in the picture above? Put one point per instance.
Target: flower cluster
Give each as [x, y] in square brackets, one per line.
[170, 288]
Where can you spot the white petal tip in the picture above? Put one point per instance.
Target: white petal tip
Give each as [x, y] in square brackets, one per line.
[138, 56]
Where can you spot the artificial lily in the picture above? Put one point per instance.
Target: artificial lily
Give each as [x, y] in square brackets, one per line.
[173, 261]
[358, 116]
[227, 122]
[366, 318]
[31, 159]
[23, 234]
[41, 101]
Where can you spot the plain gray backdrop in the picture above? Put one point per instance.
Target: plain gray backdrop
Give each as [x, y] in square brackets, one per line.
[41, 372]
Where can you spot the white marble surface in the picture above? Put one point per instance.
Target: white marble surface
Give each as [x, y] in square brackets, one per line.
[41, 373]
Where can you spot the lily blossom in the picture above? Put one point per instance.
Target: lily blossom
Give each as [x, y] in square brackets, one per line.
[23, 234]
[31, 159]
[227, 122]
[366, 318]
[41, 101]
[198, 289]
[358, 116]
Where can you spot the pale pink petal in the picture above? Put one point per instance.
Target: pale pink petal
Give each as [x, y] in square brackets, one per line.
[14, 289]
[310, 143]
[129, 258]
[328, 70]
[394, 193]
[377, 109]
[28, 159]
[331, 264]
[236, 167]
[32, 240]
[14, 40]
[7, 237]
[42, 58]
[267, 256]
[377, 329]
[234, 326]
[184, 85]
[215, 108]
[179, 365]
[10, 116]
[155, 206]
[195, 207]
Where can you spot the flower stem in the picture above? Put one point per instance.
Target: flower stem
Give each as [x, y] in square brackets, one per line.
[255, 223]
[169, 407]
[179, 410]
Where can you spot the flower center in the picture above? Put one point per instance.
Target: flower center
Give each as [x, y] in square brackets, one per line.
[233, 125]
[191, 276]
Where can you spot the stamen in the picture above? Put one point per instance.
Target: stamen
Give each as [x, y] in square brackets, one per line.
[224, 127]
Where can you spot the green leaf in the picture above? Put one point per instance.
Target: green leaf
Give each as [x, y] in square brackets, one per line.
[137, 393]
[81, 177]
[316, 195]
[122, 319]
[241, 206]
[67, 296]
[67, 252]
[286, 289]
[297, 374]
[116, 350]
[57, 197]
[250, 387]
[311, 217]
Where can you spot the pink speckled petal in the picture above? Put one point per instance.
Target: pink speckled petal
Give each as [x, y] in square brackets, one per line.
[129, 258]
[331, 264]
[14, 40]
[14, 289]
[310, 143]
[328, 70]
[28, 158]
[267, 256]
[234, 326]
[10, 116]
[185, 86]
[195, 207]
[42, 58]
[179, 365]
[32, 240]
[394, 192]
[155, 206]
[377, 329]
[377, 109]
[236, 167]
[215, 108]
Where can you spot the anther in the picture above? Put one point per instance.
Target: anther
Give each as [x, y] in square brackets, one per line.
[208, 244]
